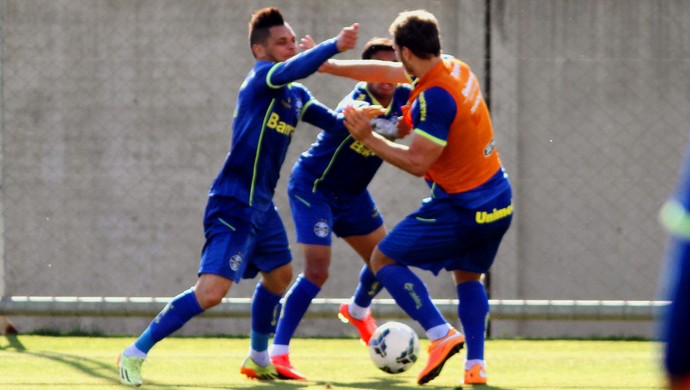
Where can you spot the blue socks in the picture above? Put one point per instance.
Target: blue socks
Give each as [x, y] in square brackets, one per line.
[175, 314]
[303, 291]
[473, 311]
[411, 295]
[185, 306]
[297, 302]
[265, 313]
[367, 288]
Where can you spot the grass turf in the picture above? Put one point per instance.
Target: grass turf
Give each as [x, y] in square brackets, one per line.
[47, 362]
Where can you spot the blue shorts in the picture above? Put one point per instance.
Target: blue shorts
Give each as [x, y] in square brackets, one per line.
[444, 235]
[318, 213]
[241, 240]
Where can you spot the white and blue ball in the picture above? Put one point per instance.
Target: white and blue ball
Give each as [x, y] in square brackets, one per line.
[394, 347]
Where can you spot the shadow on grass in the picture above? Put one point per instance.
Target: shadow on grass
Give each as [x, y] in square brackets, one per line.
[108, 372]
[88, 366]
[374, 383]
[395, 383]
[13, 343]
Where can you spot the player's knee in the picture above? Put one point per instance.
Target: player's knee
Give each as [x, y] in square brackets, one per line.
[278, 280]
[316, 274]
[374, 266]
[209, 297]
[283, 282]
[378, 260]
[211, 289]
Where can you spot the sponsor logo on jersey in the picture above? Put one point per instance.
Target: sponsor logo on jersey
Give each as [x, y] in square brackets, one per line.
[321, 229]
[235, 261]
[276, 124]
[360, 149]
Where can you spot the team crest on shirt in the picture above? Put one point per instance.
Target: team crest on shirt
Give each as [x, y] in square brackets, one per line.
[235, 261]
[321, 229]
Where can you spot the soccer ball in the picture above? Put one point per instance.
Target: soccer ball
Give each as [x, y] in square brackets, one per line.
[394, 347]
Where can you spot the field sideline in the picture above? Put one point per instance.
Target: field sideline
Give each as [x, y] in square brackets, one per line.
[65, 362]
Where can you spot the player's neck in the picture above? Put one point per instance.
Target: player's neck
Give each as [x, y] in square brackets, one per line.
[422, 67]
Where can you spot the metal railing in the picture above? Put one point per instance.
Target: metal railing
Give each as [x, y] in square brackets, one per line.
[501, 309]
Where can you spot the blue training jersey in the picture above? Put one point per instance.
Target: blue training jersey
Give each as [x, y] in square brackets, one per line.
[268, 107]
[338, 162]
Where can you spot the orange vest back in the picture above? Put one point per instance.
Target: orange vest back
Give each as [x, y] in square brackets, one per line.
[470, 157]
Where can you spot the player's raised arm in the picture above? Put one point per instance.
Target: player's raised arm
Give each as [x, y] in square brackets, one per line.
[304, 64]
[367, 70]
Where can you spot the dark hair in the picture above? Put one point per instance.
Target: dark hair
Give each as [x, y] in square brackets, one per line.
[260, 23]
[376, 45]
[417, 31]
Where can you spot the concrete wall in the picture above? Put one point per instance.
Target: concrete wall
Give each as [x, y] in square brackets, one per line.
[593, 93]
[116, 117]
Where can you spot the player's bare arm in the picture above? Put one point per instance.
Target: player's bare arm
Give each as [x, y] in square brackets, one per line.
[415, 159]
[375, 71]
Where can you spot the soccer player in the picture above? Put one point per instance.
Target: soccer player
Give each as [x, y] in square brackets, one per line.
[328, 193]
[460, 226]
[675, 216]
[244, 233]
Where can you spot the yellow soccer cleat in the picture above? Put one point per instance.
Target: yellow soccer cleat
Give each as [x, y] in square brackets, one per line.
[254, 371]
[130, 369]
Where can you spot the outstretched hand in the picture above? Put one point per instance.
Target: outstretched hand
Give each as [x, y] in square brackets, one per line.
[357, 122]
[347, 38]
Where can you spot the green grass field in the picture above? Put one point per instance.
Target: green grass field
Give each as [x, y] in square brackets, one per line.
[44, 362]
